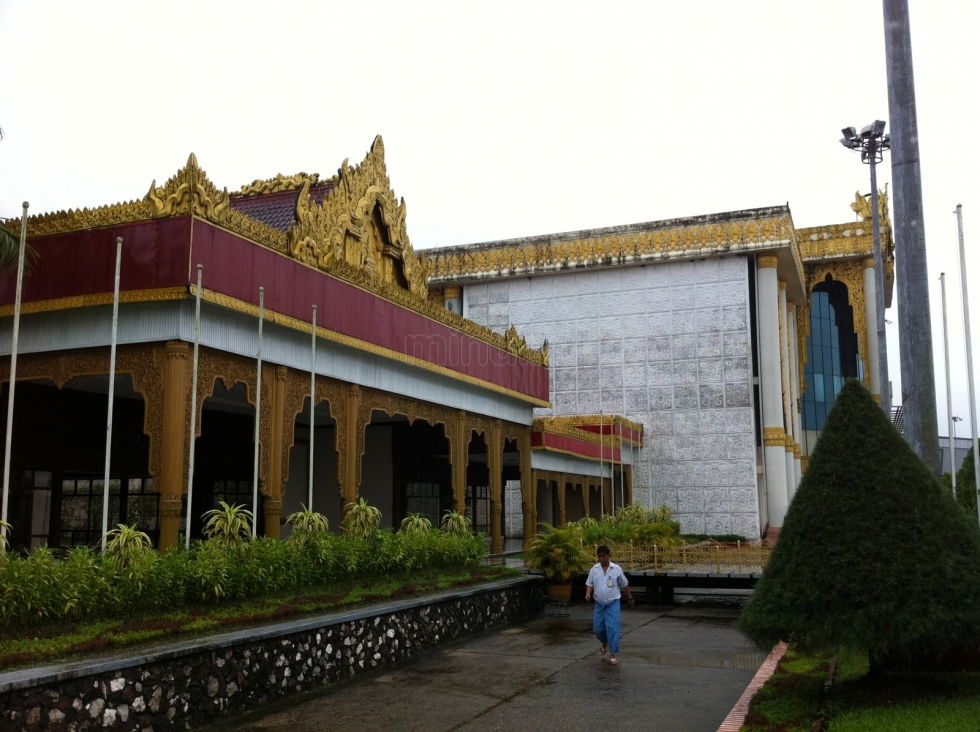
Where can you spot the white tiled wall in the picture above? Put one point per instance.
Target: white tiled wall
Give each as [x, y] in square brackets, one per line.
[664, 344]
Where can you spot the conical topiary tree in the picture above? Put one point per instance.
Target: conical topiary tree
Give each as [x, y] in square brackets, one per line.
[966, 488]
[873, 555]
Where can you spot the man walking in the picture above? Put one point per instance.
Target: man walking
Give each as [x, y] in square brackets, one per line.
[605, 584]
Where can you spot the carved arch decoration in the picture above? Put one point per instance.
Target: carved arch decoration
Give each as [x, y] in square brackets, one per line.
[851, 274]
[358, 231]
[411, 409]
[140, 362]
[214, 365]
[297, 390]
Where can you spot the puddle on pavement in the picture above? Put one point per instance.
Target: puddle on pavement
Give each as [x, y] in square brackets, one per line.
[742, 661]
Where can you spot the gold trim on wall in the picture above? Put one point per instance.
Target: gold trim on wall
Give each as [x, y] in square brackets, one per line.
[773, 436]
[102, 298]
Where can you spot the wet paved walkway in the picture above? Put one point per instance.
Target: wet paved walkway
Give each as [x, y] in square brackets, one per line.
[681, 668]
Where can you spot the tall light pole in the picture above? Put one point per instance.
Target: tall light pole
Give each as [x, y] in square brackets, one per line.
[872, 142]
[952, 450]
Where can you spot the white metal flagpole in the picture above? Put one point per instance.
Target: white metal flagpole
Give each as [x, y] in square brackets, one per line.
[309, 499]
[112, 394]
[969, 358]
[13, 373]
[949, 388]
[602, 477]
[190, 438]
[258, 412]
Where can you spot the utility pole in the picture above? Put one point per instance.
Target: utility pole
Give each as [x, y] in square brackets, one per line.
[911, 271]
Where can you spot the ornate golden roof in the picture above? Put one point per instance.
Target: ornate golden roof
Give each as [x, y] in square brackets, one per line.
[752, 230]
[280, 183]
[842, 241]
[357, 232]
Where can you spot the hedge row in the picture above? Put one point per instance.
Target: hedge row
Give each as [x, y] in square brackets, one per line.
[39, 588]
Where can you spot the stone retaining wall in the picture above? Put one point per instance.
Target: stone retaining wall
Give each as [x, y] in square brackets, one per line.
[191, 682]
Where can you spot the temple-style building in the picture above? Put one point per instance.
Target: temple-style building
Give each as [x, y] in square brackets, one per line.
[314, 284]
[726, 337]
[689, 362]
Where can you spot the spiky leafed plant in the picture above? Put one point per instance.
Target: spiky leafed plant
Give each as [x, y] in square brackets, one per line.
[229, 525]
[873, 554]
[306, 524]
[632, 514]
[455, 523]
[586, 522]
[4, 541]
[661, 513]
[361, 519]
[125, 544]
[415, 524]
[558, 552]
[10, 251]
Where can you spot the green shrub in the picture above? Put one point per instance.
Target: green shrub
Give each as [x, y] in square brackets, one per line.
[211, 568]
[632, 514]
[39, 588]
[268, 566]
[558, 552]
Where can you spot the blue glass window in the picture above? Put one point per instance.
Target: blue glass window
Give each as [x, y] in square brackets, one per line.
[831, 351]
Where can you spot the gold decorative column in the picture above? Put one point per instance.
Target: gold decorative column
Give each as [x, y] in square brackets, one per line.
[586, 490]
[629, 485]
[562, 518]
[354, 438]
[173, 448]
[495, 460]
[275, 484]
[459, 448]
[529, 489]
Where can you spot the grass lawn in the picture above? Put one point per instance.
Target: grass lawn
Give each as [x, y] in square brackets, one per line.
[796, 697]
[58, 642]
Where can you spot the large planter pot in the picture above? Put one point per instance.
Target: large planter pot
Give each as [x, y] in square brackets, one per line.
[559, 590]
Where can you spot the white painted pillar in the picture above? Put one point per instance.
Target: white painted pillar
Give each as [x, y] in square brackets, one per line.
[796, 391]
[784, 365]
[770, 387]
[871, 326]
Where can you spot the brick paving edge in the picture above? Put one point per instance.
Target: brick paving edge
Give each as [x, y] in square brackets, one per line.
[736, 717]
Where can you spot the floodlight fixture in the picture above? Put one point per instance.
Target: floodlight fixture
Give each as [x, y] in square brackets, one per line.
[872, 142]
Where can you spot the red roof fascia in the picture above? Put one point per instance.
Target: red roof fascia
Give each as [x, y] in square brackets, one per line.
[164, 253]
[543, 440]
[626, 433]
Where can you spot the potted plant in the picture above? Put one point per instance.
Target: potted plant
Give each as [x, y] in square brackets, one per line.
[559, 553]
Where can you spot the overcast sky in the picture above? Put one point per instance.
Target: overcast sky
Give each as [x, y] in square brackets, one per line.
[501, 119]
